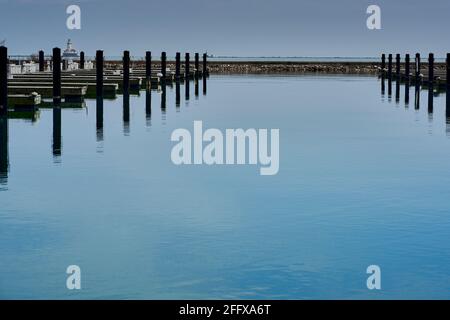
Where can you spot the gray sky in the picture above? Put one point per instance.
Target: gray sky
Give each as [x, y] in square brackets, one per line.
[229, 27]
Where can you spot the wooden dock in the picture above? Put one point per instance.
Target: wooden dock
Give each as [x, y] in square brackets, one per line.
[73, 86]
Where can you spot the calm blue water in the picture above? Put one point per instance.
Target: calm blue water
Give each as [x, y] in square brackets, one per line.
[363, 180]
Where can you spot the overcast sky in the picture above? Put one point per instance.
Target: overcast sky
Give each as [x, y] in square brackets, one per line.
[229, 27]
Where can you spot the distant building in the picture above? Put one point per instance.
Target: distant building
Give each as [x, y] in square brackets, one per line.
[70, 53]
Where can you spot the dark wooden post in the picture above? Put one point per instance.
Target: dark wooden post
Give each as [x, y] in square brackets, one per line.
[99, 71]
[447, 104]
[186, 67]
[177, 65]
[41, 61]
[126, 71]
[197, 64]
[3, 81]
[407, 65]
[390, 66]
[417, 67]
[205, 70]
[56, 75]
[163, 64]
[148, 67]
[82, 60]
[397, 66]
[383, 62]
[448, 71]
[431, 69]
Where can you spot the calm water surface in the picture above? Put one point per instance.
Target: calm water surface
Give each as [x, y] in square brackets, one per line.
[363, 180]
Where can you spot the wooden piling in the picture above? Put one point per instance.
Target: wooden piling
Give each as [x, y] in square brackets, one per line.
[148, 67]
[3, 81]
[407, 66]
[186, 67]
[163, 64]
[205, 68]
[390, 66]
[417, 67]
[126, 71]
[430, 70]
[99, 72]
[397, 66]
[197, 64]
[448, 71]
[177, 66]
[56, 76]
[383, 62]
[82, 60]
[41, 61]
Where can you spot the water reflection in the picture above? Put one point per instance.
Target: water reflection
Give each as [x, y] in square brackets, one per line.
[126, 113]
[57, 140]
[417, 97]
[204, 85]
[383, 85]
[406, 93]
[447, 111]
[4, 159]
[430, 99]
[186, 88]
[397, 91]
[148, 107]
[177, 94]
[389, 89]
[99, 118]
[163, 98]
[196, 87]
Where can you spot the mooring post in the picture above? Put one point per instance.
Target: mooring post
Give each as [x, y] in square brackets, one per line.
[177, 66]
[41, 61]
[407, 62]
[3, 81]
[126, 71]
[205, 70]
[447, 93]
[417, 69]
[431, 70]
[397, 66]
[448, 71]
[163, 64]
[383, 63]
[186, 67]
[99, 71]
[390, 66]
[197, 64]
[148, 68]
[82, 60]
[56, 76]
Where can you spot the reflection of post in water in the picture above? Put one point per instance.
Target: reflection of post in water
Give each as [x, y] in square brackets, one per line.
[163, 98]
[383, 85]
[148, 106]
[430, 98]
[126, 112]
[204, 84]
[196, 89]
[447, 109]
[417, 97]
[187, 89]
[406, 93]
[177, 93]
[4, 159]
[397, 90]
[99, 116]
[389, 88]
[57, 149]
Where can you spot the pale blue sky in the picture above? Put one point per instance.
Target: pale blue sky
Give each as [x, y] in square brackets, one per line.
[229, 27]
